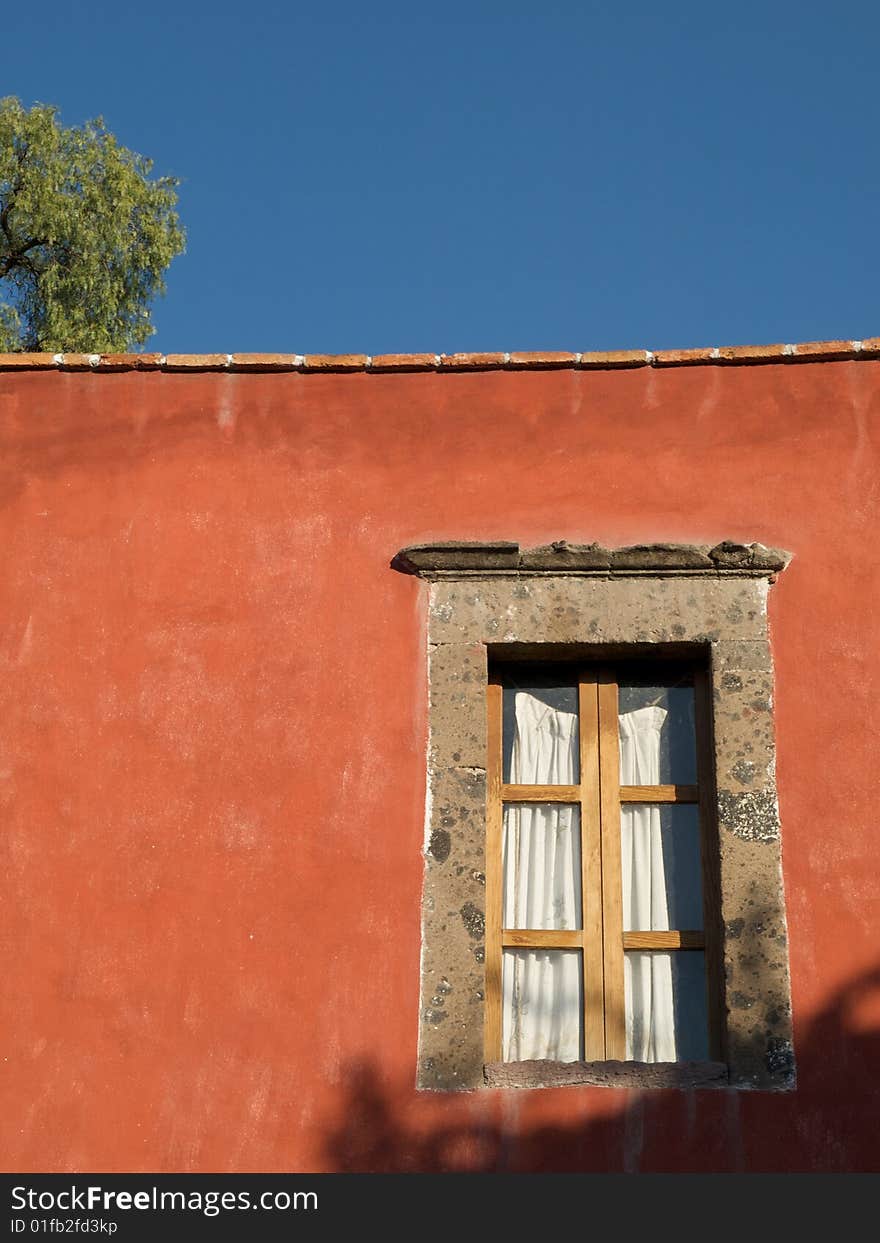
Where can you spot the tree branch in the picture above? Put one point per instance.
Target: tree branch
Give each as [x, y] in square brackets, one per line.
[15, 260]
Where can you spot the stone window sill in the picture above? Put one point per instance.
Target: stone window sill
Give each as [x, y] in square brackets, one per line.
[540, 1074]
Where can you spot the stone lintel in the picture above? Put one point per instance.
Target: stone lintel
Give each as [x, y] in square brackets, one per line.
[454, 558]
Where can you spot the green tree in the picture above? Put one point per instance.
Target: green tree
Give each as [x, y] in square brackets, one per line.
[85, 235]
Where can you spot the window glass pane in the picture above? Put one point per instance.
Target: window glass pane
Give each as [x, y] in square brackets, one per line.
[540, 735]
[542, 866]
[542, 1011]
[657, 740]
[660, 867]
[666, 1008]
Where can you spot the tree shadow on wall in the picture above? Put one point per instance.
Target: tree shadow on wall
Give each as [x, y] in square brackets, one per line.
[825, 1125]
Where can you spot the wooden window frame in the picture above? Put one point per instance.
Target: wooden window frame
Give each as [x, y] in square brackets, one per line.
[599, 796]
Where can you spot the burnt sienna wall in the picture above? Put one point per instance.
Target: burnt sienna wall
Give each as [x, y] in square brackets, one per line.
[213, 733]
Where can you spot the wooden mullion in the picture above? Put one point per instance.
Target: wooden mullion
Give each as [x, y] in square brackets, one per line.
[494, 813]
[591, 869]
[709, 855]
[612, 889]
[687, 940]
[659, 794]
[540, 794]
[542, 938]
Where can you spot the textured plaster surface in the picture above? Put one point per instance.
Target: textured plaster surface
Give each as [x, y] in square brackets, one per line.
[727, 616]
[213, 731]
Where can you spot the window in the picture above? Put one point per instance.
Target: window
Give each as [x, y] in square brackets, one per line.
[601, 873]
[590, 618]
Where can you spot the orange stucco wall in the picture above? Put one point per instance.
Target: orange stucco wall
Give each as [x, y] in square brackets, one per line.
[212, 750]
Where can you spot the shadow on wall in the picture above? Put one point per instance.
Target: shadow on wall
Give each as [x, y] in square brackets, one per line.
[827, 1124]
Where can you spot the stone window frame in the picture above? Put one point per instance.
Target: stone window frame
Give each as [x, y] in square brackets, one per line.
[564, 601]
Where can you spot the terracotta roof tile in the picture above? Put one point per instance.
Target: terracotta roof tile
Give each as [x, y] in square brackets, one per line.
[809, 351]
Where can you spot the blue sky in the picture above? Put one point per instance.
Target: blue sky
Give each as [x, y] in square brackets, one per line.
[489, 175]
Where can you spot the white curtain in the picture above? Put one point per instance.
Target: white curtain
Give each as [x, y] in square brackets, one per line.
[542, 989]
[650, 1013]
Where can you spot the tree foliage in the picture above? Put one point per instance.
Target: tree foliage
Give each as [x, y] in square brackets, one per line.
[85, 235]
